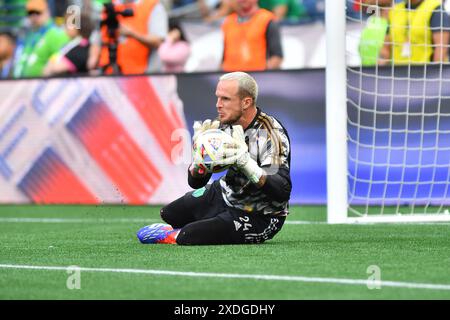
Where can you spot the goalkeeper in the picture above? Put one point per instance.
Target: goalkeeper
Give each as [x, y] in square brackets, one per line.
[250, 203]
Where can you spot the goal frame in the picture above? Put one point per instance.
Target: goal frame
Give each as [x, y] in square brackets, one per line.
[336, 128]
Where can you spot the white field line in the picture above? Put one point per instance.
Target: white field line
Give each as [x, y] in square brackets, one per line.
[145, 220]
[362, 282]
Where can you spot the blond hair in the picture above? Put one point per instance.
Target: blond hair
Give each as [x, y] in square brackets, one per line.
[247, 86]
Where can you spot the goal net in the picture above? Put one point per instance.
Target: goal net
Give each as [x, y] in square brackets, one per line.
[389, 113]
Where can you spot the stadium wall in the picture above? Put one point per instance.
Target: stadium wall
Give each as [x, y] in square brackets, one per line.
[127, 139]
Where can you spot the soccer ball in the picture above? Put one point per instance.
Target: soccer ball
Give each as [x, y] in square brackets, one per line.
[208, 149]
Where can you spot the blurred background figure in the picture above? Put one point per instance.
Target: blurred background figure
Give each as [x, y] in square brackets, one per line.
[7, 49]
[427, 37]
[139, 37]
[73, 57]
[290, 11]
[252, 39]
[373, 35]
[42, 40]
[175, 50]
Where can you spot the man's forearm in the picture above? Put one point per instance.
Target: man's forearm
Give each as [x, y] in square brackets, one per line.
[262, 181]
[440, 54]
[276, 186]
[440, 41]
[148, 40]
[280, 12]
[274, 62]
[196, 182]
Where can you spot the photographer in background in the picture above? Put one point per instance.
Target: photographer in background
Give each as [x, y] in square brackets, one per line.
[138, 38]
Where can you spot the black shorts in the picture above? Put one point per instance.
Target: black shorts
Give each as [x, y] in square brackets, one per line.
[204, 218]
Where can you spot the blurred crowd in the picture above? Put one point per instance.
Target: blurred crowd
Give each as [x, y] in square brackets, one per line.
[60, 37]
[49, 37]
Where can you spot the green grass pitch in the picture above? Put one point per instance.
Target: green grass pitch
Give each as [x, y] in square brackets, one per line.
[103, 237]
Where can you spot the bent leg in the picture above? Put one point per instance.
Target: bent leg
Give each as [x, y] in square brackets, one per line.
[199, 204]
[176, 213]
[230, 228]
[207, 232]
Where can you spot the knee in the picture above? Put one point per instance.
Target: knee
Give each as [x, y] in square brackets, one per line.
[165, 215]
[169, 217]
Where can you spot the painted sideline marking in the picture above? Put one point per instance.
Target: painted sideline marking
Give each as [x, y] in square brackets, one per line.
[398, 284]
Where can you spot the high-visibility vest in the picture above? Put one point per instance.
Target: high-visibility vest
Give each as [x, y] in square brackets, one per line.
[411, 28]
[245, 43]
[132, 56]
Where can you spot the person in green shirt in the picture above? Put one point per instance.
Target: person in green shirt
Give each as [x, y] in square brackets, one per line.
[285, 10]
[371, 43]
[40, 43]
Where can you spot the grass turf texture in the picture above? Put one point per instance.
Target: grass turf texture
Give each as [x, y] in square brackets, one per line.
[418, 253]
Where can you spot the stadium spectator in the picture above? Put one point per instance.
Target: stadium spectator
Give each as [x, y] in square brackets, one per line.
[140, 37]
[252, 39]
[290, 11]
[72, 58]
[7, 49]
[40, 43]
[419, 32]
[175, 50]
[250, 203]
[372, 36]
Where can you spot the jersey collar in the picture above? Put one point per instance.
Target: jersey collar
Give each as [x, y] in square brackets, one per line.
[258, 112]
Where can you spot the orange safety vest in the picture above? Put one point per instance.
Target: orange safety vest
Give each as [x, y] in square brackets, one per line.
[245, 44]
[132, 56]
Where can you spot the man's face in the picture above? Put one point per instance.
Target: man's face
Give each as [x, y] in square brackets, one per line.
[229, 105]
[38, 18]
[245, 4]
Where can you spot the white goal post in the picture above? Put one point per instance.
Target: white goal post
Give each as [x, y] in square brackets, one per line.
[388, 134]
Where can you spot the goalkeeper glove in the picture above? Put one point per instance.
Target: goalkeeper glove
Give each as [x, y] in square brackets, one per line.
[238, 155]
[199, 127]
